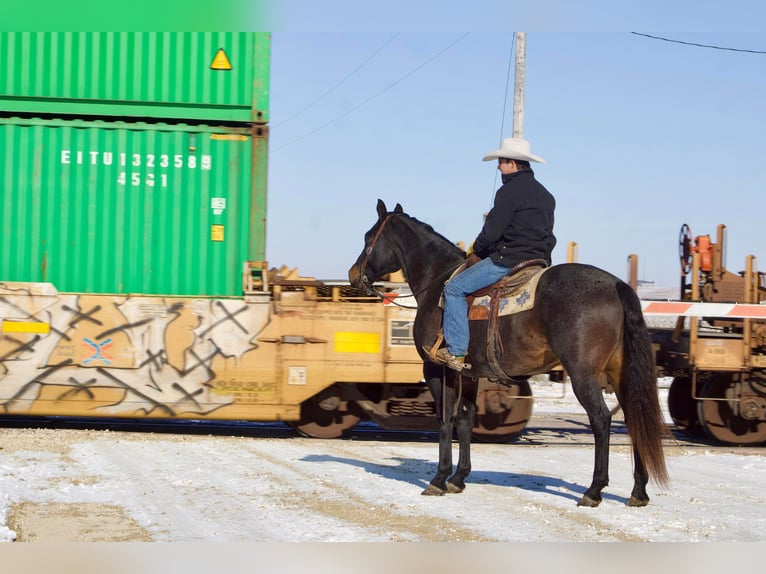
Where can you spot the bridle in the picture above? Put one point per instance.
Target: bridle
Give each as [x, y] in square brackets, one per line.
[372, 291]
[368, 252]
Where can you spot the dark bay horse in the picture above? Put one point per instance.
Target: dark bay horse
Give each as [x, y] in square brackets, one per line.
[585, 318]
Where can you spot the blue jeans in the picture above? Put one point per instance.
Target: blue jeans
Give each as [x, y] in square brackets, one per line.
[484, 273]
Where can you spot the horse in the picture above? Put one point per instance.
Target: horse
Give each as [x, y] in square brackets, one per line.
[584, 318]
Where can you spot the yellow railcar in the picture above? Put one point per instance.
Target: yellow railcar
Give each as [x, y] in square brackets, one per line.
[318, 355]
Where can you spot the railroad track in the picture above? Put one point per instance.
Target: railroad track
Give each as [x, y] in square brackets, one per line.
[559, 429]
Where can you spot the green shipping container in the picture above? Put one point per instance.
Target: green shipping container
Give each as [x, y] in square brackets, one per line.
[115, 207]
[200, 76]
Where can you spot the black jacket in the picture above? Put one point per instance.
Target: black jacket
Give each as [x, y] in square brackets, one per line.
[520, 224]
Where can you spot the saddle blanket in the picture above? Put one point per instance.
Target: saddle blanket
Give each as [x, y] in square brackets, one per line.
[521, 298]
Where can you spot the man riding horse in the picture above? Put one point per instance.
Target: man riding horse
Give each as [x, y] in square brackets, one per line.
[518, 228]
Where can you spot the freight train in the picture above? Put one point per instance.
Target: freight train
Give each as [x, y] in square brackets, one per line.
[133, 279]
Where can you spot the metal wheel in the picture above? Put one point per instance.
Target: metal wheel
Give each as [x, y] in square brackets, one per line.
[738, 420]
[502, 411]
[683, 408]
[321, 416]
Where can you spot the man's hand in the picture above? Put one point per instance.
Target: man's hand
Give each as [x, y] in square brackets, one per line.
[473, 259]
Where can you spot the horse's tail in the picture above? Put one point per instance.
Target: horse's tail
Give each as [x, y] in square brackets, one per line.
[638, 388]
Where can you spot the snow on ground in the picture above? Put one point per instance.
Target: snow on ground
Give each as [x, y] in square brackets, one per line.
[189, 488]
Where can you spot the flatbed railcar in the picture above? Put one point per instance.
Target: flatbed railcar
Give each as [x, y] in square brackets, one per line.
[320, 356]
[716, 350]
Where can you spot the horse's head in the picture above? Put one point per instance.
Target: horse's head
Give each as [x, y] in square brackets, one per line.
[378, 256]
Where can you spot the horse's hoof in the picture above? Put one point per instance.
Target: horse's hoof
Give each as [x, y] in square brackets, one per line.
[452, 489]
[589, 502]
[637, 502]
[433, 491]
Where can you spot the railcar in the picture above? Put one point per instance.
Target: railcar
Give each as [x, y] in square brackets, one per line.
[318, 355]
[133, 276]
[716, 351]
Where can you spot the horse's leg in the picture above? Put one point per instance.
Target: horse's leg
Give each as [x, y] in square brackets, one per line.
[444, 400]
[639, 497]
[466, 417]
[588, 392]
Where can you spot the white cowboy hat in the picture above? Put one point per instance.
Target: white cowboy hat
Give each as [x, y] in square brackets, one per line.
[514, 148]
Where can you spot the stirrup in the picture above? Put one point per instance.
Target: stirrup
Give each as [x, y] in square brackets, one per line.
[435, 347]
[445, 358]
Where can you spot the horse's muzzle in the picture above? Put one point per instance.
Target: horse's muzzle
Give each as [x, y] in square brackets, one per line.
[355, 276]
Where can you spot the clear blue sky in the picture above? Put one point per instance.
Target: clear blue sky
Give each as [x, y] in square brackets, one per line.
[639, 137]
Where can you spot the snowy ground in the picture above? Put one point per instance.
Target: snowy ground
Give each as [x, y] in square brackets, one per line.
[74, 485]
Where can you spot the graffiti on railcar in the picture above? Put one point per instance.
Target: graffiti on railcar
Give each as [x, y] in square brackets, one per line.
[128, 355]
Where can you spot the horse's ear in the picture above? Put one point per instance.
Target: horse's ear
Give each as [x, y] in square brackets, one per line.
[382, 210]
[398, 208]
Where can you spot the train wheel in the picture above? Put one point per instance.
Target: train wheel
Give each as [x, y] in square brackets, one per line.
[731, 421]
[321, 416]
[505, 411]
[683, 408]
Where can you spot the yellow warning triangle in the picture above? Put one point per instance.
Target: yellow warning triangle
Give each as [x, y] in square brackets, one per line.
[221, 61]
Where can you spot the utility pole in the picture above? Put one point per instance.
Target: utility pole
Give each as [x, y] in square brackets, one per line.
[518, 85]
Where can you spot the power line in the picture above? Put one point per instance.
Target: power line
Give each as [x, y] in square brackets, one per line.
[507, 84]
[699, 45]
[505, 102]
[380, 93]
[344, 80]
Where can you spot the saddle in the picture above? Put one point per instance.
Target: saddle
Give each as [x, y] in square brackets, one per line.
[513, 293]
[516, 282]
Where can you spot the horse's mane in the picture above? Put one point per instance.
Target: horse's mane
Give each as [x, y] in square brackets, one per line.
[427, 229]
